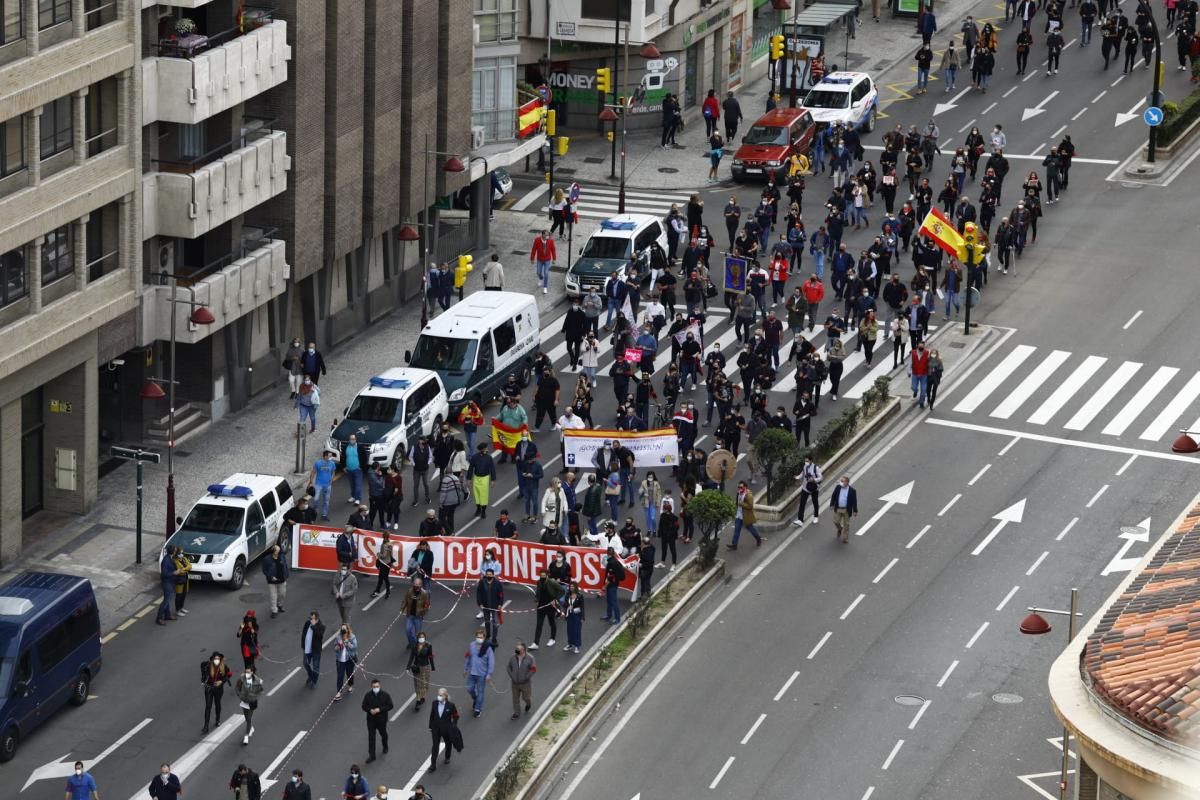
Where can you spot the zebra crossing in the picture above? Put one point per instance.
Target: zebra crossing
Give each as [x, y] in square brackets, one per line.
[1086, 393]
[602, 202]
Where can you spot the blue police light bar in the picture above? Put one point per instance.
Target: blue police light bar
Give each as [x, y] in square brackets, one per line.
[612, 225]
[838, 79]
[389, 383]
[222, 490]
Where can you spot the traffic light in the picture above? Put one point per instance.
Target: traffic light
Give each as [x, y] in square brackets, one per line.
[604, 80]
[551, 122]
[609, 135]
[777, 47]
[464, 267]
[562, 142]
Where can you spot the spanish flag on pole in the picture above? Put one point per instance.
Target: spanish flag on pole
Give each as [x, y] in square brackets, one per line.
[505, 438]
[939, 228]
[529, 118]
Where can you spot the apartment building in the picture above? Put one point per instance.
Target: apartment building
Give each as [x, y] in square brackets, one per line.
[69, 245]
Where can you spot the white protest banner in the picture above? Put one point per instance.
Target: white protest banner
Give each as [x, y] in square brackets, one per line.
[656, 448]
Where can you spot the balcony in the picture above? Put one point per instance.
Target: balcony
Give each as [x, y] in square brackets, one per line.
[230, 288]
[196, 76]
[188, 199]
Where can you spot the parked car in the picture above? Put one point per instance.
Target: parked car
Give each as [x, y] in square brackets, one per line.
[771, 141]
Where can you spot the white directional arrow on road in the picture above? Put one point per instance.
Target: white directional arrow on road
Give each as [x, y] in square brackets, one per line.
[1119, 562]
[66, 765]
[941, 108]
[267, 783]
[1030, 113]
[198, 753]
[1130, 115]
[1013, 513]
[890, 499]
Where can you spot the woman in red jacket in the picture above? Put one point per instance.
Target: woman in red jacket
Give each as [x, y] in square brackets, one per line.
[712, 112]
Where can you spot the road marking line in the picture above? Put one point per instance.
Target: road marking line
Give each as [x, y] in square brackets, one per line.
[1028, 781]
[1006, 94]
[530, 197]
[1008, 446]
[1118, 80]
[1030, 75]
[917, 538]
[888, 761]
[920, 713]
[946, 675]
[1096, 99]
[1057, 132]
[1125, 466]
[421, 770]
[978, 633]
[1057, 440]
[108, 637]
[964, 127]
[1067, 529]
[1065, 46]
[850, 608]
[1096, 496]
[979, 474]
[993, 379]
[753, 728]
[813, 653]
[1103, 396]
[870, 791]
[786, 685]
[721, 774]
[1039, 147]
[1079, 113]
[279, 759]
[279, 686]
[1137, 404]
[401, 707]
[124, 625]
[373, 601]
[885, 570]
[1067, 389]
[1180, 403]
[946, 508]
[145, 611]
[1037, 563]
[1033, 381]
[1007, 597]
[988, 110]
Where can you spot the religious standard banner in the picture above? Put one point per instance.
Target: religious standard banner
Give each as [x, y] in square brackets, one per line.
[458, 558]
[656, 448]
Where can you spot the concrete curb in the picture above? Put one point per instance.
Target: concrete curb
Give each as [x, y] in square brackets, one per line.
[598, 704]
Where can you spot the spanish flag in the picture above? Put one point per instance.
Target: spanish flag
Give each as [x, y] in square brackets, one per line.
[505, 438]
[939, 228]
[529, 118]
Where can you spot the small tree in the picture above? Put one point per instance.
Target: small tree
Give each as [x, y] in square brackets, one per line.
[711, 511]
[771, 449]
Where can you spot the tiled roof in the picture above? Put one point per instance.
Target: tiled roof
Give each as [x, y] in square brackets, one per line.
[1143, 659]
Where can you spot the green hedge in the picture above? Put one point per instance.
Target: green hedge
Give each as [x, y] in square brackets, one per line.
[1186, 110]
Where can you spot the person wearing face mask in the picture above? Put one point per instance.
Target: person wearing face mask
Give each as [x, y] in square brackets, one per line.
[245, 784]
[215, 675]
[419, 793]
[376, 704]
[356, 787]
[296, 788]
[291, 365]
[249, 688]
[443, 725]
[345, 586]
[165, 785]
[547, 594]
[521, 668]
[845, 505]
[307, 400]
[420, 664]
[312, 636]
[479, 664]
[312, 364]
[489, 596]
[345, 650]
[415, 605]
[381, 792]
[81, 785]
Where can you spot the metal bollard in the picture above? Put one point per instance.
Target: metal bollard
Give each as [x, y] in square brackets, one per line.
[299, 448]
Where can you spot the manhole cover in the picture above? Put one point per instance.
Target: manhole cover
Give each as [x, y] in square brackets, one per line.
[668, 170]
[252, 597]
[909, 700]
[955, 345]
[1007, 698]
[565, 170]
[594, 160]
[183, 453]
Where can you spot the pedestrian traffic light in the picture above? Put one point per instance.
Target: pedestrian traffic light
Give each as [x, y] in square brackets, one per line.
[562, 142]
[609, 135]
[604, 80]
[777, 45]
[551, 122]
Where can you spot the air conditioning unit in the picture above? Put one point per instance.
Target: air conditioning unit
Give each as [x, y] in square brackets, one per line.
[166, 256]
[477, 137]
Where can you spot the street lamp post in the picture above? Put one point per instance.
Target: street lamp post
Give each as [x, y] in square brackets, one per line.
[1035, 625]
[408, 232]
[624, 103]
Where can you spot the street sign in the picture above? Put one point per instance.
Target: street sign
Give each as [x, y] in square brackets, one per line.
[1152, 116]
[134, 454]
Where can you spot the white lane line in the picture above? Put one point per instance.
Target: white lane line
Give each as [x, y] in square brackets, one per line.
[964, 127]
[946, 675]
[1030, 75]
[421, 770]
[1118, 80]
[1007, 597]
[993, 379]
[988, 110]
[979, 475]
[1033, 381]
[753, 728]
[1009, 446]
[530, 197]
[1103, 396]
[978, 633]
[892, 755]
[1039, 147]
[917, 538]
[948, 506]
[850, 608]
[1180, 403]
[783, 689]
[1096, 496]
[279, 759]
[885, 570]
[920, 713]
[1079, 113]
[279, 685]
[400, 708]
[1066, 530]
[859, 389]
[1037, 563]
[1057, 132]
[372, 602]
[813, 653]
[1128, 462]
[1006, 94]
[867, 794]
[1137, 404]
[1065, 46]
[1067, 389]
[721, 774]
[1096, 99]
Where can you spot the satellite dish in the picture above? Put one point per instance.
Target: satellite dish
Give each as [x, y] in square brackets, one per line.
[721, 465]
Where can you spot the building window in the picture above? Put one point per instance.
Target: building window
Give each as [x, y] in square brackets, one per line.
[52, 12]
[56, 127]
[497, 20]
[494, 97]
[58, 255]
[12, 276]
[12, 146]
[649, 8]
[12, 27]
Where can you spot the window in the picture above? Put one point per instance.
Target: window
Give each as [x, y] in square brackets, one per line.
[494, 97]
[284, 490]
[68, 636]
[254, 518]
[859, 92]
[443, 352]
[52, 12]
[12, 146]
[373, 408]
[207, 518]
[56, 127]
[268, 504]
[12, 26]
[485, 355]
[497, 20]
[12, 276]
[506, 337]
[58, 255]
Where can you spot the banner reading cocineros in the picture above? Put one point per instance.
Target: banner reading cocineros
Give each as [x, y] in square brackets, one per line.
[458, 559]
[656, 448]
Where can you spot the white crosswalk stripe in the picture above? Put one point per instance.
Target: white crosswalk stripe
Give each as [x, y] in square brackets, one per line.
[1067, 389]
[596, 202]
[1137, 404]
[1103, 397]
[1174, 410]
[993, 379]
[1030, 385]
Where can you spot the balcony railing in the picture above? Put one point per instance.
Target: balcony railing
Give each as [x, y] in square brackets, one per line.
[260, 127]
[499, 125]
[191, 275]
[100, 15]
[197, 42]
[99, 142]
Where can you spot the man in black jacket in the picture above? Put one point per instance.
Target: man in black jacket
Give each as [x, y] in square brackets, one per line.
[575, 325]
[275, 570]
[312, 637]
[443, 725]
[245, 784]
[733, 115]
[376, 703]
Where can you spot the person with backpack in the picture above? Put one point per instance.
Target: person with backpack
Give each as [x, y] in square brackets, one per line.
[451, 492]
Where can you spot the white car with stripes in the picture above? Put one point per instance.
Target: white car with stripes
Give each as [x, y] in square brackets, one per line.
[611, 248]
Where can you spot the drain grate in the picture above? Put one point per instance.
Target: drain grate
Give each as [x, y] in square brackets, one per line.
[909, 700]
[594, 160]
[668, 170]
[1008, 698]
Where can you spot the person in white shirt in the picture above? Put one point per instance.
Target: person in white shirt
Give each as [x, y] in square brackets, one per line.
[493, 275]
[999, 140]
[654, 315]
[810, 484]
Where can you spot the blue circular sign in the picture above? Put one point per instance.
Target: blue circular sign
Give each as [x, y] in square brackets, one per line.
[1152, 116]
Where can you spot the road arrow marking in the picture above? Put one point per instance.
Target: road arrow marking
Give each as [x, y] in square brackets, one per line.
[1030, 113]
[65, 766]
[1130, 115]
[890, 499]
[267, 783]
[941, 108]
[1119, 562]
[198, 753]
[1013, 513]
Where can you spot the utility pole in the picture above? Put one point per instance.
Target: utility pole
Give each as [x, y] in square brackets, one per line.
[1155, 99]
[616, 78]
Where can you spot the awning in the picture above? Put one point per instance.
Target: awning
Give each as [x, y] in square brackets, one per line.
[823, 16]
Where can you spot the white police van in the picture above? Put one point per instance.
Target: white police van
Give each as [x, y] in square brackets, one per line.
[235, 522]
[389, 414]
[846, 97]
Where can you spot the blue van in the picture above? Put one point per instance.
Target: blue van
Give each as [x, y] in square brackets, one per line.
[49, 650]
